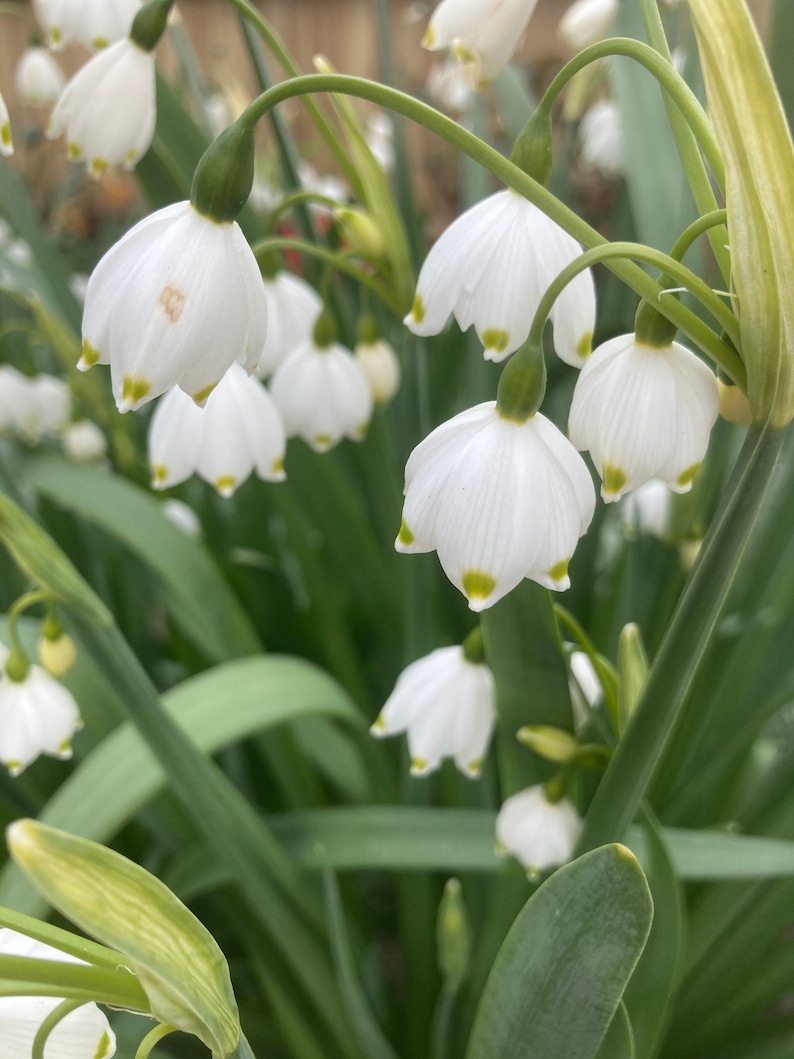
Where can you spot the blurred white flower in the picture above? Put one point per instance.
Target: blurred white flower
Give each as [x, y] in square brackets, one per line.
[38, 78]
[37, 716]
[84, 442]
[446, 705]
[265, 196]
[498, 500]
[449, 87]
[217, 113]
[601, 139]
[643, 412]
[183, 517]
[585, 676]
[328, 186]
[94, 23]
[6, 233]
[6, 139]
[380, 365]
[174, 303]
[587, 21]
[648, 509]
[491, 267]
[49, 408]
[15, 399]
[483, 33]
[379, 134]
[239, 430]
[293, 306]
[107, 110]
[18, 251]
[78, 285]
[323, 395]
[539, 833]
[82, 1034]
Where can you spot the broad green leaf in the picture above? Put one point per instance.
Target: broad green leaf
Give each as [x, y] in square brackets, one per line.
[195, 594]
[178, 962]
[759, 169]
[722, 855]
[619, 1040]
[216, 708]
[562, 970]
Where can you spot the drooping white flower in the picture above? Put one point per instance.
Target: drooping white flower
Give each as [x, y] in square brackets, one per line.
[83, 1034]
[484, 33]
[37, 716]
[491, 267]
[323, 395]
[239, 430]
[601, 139]
[648, 509]
[380, 365]
[174, 303]
[584, 678]
[498, 500]
[379, 135]
[539, 833]
[49, 408]
[15, 399]
[643, 412]
[446, 705]
[107, 110]
[84, 442]
[587, 21]
[94, 23]
[293, 306]
[6, 139]
[449, 87]
[38, 78]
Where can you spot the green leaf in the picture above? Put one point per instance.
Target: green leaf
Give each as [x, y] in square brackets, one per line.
[178, 962]
[619, 1040]
[561, 972]
[216, 708]
[195, 594]
[722, 855]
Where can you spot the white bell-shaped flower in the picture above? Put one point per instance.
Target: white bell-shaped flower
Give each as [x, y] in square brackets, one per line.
[601, 139]
[37, 716]
[94, 23]
[446, 705]
[83, 1034]
[174, 303]
[483, 33]
[323, 395]
[491, 267]
[38, 78]
[16, 400]
[293, 306]
[643, 412]
[648, 509]
[6, 139]
[238, 431]
[49, 408]
[587, 21]
[498, 500]
[380, 365]
[84, 442]
[107, 110]
[540, 833]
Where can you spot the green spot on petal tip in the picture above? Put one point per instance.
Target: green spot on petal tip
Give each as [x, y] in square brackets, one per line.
[584, 347]
[685, 477]
[418, 310]
[614, 479]
[405, 536]
[496, 340]
[559, 571]
[478, 585]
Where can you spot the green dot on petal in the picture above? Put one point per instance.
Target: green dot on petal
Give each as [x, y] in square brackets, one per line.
[405, 536]
[559, 571]
[685, 477]
[492, 338]
[90, 355]
[134, 390]
[478, 585]
[418, 309]
[584, 347]
[615, 478]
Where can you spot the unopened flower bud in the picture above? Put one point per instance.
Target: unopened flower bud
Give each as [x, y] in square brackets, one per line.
[453, 937]
[734, 405]
[553, 744]
[57, 655]
[360, 232]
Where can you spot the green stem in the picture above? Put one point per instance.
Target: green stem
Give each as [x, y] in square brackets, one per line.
[29, 976]
[30, 599]
[274, 43]
[674, 86]
[72, 944]
[698, 177]
[334, 260]
[49, 1024]
[443, 1025]
[695, 230]
[293, 199]
[449, 130]
[152, 1038]
[720, 352]
[675, 668]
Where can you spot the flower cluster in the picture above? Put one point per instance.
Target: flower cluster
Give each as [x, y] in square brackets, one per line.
[33, 408]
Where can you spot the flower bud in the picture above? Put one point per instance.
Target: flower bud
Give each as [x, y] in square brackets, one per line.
[734, 406]
[360, 232]
[58, 655]
[553, 744]
[225, 174]
[453, 937]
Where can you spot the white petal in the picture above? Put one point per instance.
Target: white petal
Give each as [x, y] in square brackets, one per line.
[541, 834]
[82, 1034]
[37, 715]
[293, 307]
[176, 437]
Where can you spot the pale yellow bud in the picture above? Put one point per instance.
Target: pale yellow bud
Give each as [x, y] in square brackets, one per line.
[734, 405]
[58, 655]
[380, 365]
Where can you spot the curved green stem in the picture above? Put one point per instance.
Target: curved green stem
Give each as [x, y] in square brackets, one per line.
[152, 1038]
[10, 327]
[337, 261]
[49, 1024]
[295, 198]
[699, 182]
[29, 976]
[30, 599]
[720, 352]
[665, 73]
[275, 44]
[695, 230]
[631, 274]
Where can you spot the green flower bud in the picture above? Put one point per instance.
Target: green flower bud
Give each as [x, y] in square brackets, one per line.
[522, 385]
[360, 231]
[533, 149]
[553, 744]
[453, 937]
[149, 24]
[225, 174]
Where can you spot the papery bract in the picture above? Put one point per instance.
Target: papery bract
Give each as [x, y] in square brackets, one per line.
[643, 412]
[175, 303]
[540, 833]
[490, 269]
[498, 500]
[107, 110]
[446, 705]
[239, 430]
